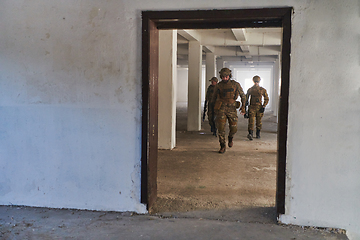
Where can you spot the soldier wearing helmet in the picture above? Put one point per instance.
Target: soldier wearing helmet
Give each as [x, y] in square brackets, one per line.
[224, 98]
[257, 106]
[210, 112]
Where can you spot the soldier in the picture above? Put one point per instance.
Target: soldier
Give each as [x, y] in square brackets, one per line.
[210, 105]
[224, 98]
[257, 107]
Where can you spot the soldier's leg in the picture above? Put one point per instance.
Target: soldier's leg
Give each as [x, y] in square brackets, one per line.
[233, 119]
[251, 123]
[212, 121]
[209, 115]
[258, 123]
[220, 124]
[211, 118]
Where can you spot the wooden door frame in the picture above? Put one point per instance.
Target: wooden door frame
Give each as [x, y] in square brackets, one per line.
[152, 21]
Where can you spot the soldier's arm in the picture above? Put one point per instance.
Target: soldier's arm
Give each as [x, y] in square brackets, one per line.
[208, 94]
[215, 94]
[247, 96]
[242, 95]
[266, 98]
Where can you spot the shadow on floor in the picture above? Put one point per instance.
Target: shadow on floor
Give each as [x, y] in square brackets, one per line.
[265, 215]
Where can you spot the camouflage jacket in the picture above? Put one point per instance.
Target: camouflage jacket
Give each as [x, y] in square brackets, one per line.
[256, 93]
[209, 93]
[228, 92]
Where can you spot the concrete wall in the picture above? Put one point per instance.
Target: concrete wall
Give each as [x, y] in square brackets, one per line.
[323, 180]
[70, 104]
[182, 86]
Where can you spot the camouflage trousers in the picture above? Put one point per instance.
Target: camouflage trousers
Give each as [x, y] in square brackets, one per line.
[254, 114]
[227, 111]
[211, 115]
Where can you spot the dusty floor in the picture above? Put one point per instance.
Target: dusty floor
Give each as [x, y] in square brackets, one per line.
[19, 223]
[194, 176]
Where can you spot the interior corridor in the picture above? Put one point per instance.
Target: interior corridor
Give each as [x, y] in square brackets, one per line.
[194, 176]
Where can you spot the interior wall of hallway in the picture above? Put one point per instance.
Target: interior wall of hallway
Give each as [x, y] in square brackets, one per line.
[167, 89]
[70, 102]
[219, 65]
[182, 86]
[210, 67]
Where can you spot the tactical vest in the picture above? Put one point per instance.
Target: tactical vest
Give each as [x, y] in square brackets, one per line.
[256, 93]
[228, 92]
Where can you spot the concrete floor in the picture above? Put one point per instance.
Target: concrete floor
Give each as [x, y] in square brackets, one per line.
[223, 219]
[194, 176]
[18, 223]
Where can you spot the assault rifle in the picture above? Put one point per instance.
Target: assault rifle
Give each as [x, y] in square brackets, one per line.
[246, 115]
[203, 118]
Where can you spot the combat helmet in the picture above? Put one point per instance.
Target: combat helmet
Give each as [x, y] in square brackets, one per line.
[214, 79]
[256, 78]
[225, 72]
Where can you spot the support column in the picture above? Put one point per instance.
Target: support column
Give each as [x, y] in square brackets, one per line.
[276, 87]
[194, 86]
[167, 89]
[210, 68]
[219, 65]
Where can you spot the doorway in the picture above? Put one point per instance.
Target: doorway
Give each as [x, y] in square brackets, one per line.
[206, 19]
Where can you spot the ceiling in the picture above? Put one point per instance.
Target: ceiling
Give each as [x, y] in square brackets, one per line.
[245, 44]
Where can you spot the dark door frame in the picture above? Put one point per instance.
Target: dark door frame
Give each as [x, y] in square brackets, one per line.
[152, 21]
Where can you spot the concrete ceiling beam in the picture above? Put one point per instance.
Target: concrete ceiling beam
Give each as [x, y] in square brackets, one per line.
[239, 34]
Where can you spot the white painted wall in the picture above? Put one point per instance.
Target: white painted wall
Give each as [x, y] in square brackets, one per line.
[182, 86]
[70, 103]
[323, 180]
[210, 68]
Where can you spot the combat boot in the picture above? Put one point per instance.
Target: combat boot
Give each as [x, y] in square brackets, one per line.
[222, 148]
[257, 133]
[250, 135]
[230, 144]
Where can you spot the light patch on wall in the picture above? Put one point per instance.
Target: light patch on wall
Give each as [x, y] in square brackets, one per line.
[135, 183]
[248, 83]
[359, 47]
[118, 94]
[4, 188]
[93, 14]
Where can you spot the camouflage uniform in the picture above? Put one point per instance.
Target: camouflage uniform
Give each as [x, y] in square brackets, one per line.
[256, 107]
[224, 97]
[210, 112]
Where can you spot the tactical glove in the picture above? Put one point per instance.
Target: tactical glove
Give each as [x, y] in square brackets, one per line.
[246, 115]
